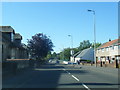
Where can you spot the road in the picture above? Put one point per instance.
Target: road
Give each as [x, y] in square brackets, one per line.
[53, 75]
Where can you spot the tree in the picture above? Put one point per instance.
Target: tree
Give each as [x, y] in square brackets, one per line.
[84, 44]
[39, 46]
[49, 55]
[67, 53]
[96, 45]
[64, 55]
[54, 55]
[75, 50]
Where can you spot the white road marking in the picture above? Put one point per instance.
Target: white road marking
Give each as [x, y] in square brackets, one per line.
[78, 80]
[68, 73]
[85, 86]
[75, 78]
[64, 69]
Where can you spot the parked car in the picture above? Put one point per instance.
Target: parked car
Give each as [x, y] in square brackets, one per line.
[65, 62]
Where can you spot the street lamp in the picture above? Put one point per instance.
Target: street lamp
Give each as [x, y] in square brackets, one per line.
[71, 40]
[94, 37]
[71, 52]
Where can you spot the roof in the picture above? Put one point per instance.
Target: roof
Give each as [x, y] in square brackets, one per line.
[17, 36]
[24, 46]
[86, 54]
[77, 53]
[107, 44]
[7, 29]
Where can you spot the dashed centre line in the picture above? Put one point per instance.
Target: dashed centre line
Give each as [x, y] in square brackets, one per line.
[75, 78]
[68, 73]
[85, 86]
[78, 80]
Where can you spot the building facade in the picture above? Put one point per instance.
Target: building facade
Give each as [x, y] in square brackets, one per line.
[11, 45]
[109, 52]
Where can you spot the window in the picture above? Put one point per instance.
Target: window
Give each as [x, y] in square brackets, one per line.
[98, 50]
[12, 37]
[107, 49]
[111, 47]
[118, 46]
[102, 49]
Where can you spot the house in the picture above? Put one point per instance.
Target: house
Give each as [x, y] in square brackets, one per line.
[76, 55]
[11, 45]
[86, 54]
[109, 52]
[12, 51]
[7, 41]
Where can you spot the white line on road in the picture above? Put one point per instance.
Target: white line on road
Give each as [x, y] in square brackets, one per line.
[68, 73]
[85, 86]
[75, 78]
[64, 69]
[78, 80]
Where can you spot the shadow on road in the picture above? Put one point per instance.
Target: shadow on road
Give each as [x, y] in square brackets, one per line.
[46, 76]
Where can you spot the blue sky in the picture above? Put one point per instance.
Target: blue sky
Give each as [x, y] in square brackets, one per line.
[59, 19]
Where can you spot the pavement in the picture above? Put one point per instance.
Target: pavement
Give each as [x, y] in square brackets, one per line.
[105, 70]
[59, 76]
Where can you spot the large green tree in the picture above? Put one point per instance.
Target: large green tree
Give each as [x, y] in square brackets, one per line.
[67, 53]
[39, 46]
[54, 55]
[96, 45]
[84, 44]
[49, 55]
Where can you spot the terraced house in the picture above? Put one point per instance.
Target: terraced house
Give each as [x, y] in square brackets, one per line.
[109, 53]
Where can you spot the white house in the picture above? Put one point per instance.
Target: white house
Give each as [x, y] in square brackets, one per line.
[109, 51]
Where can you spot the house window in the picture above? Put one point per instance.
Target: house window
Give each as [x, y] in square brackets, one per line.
[111, 47]
[12, 37]
[102, 49]
[118, 46]
[107, 49]
[98, 51]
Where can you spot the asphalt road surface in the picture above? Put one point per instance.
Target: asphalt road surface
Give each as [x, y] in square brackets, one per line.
[53, 75]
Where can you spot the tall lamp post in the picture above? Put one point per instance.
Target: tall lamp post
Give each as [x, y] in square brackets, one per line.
[71, 52]
[94, 37]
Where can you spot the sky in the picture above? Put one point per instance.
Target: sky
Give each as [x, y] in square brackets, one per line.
[59, 19]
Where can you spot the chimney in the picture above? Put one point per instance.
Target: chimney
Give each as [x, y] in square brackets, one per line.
[109, 39]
